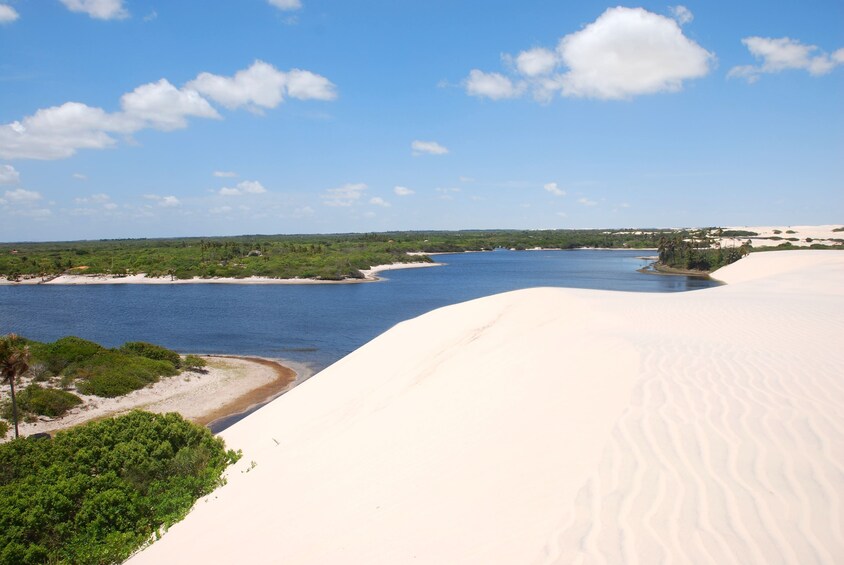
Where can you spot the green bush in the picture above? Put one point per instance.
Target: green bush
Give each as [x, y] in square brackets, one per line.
[113, 373]
[151, 351]
[95, 493]
[46, 401]
[63, 352]
[194, 363]
[4, 428]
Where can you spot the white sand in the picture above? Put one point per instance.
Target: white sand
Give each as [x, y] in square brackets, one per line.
[196, 396]
[557, 426]
[815, 234]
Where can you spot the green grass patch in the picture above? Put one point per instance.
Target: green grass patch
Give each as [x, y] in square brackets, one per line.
[36, 399]
[114, 373]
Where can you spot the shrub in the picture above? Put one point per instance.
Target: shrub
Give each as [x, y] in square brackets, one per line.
[151, 351]
[46, 401]
[4, 428]
[63, 352]
[97, 492]
[194, 363]
[113, 373]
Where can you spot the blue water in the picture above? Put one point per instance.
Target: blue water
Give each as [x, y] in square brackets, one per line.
[313, 325]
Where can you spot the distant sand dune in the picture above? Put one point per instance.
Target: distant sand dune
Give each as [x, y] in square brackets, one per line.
[556, 426]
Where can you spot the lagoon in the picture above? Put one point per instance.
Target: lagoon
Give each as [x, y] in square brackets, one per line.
[312, 325]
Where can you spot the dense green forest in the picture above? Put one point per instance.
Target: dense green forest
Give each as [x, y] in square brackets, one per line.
[328, 257]
[97, 492]
[336, 256]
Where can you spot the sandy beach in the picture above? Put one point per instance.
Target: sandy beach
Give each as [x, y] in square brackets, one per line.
[369, 275]
[557, 426]
[229, 385]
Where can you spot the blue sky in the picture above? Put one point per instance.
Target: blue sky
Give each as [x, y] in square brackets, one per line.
[142, 118]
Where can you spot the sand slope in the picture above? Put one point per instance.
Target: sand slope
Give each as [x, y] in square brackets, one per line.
[558, 426]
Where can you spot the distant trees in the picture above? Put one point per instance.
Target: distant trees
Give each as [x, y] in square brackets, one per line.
[697, 255]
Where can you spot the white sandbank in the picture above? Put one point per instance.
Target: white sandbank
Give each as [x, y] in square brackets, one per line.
[557, 426]
[369, 275]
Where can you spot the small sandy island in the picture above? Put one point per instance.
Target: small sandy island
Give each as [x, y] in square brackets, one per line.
[229, 385]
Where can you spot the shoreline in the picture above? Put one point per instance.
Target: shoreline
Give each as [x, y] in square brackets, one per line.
[369, 275]
[230, 385]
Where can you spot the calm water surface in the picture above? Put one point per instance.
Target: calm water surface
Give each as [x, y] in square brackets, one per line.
[314, 325]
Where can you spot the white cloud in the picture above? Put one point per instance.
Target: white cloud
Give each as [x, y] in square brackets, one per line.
[378, 201]
[221, 210]
[9, 175]
[286, 5]
[110, 206]
[98, 9]
[554, 189]
[427, 148]
[243, 187]
[164, 201]
[682, 14]
[262, 86]
[7, 14]
[782, 54]
[99, 198]
[626, 52]
[59, 131]
[586, 202]
[491, 85]
[21, 195]
[403, 191]
[534, 62]
[79, 176]
[224, 174]
[34, 212]
[306, 85]
[345, 195]
[163, 106]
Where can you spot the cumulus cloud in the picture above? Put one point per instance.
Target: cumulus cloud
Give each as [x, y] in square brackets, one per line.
[491, 85]
[98, 9]
[59, 131]
[21, 195]
[164, 201]
[626, 52]
[344, 196]
[552, 188]
[224, 174]
[378, 201]
[783, 54]
[161, 105]
[286, 5]
[535, 62]
[243, 187]
[427, 148]
[262, 86]
[403, 191]
[682, 14]
[7, 14]
[586, 202]
[9, 175]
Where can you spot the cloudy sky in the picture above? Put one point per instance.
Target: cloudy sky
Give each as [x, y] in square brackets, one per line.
[148, 118]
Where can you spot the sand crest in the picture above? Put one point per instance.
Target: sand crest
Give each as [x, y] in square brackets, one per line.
[557, 426]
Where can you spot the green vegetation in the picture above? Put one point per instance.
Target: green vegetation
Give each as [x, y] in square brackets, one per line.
[697, 255]
[329, 257]
[35, 399]
[96, 493]
[738, 233]
[94, 369]
[194, 363]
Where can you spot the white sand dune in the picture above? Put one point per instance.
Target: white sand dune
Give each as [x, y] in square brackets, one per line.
[558, 426]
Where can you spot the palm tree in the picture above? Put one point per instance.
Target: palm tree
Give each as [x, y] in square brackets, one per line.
[14, 361]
